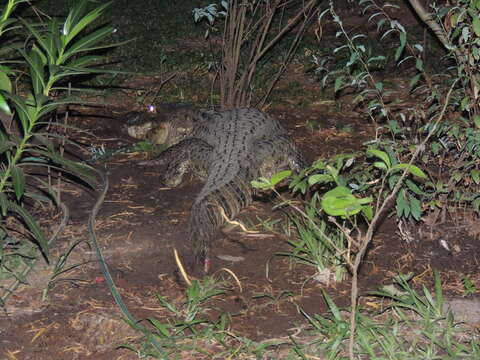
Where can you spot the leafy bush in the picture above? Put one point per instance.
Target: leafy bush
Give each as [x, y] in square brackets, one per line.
[54, 55]
[451, 156]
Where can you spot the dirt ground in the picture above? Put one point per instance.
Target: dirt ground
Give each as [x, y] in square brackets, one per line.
[140, 223]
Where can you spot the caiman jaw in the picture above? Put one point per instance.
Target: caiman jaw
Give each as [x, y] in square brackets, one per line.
[162, 134]
[139, 131]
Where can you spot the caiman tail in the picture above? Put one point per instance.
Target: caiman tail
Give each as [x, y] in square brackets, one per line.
[209, 213]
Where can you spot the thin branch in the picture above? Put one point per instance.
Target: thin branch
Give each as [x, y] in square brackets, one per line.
[378, 215]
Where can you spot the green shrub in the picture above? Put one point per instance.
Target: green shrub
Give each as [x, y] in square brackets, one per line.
[54, 55]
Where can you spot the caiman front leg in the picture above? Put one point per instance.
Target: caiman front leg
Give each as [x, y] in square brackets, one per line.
[188, 155]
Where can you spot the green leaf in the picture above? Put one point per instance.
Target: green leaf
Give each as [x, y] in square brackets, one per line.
[87, 43]
[400, 203]
[32, 226]
[75, 26]
[73, 17]
[338, 83]
[476, 121]
[37, 70]
[5, 83]
[414, 80]
[419, 64]
[22, 110]
[380, 165]
[4, 106]
[476, 25]
[465, 103]
[412, 169]
[278, 177]
[4, 204]
[475, 176]
[83, 62]
[382, 155]
[18, 180]
[414, 187]
[319, 178]
[5, 143]
[403, 41]
[263, 184]
[162, 328]
[415, 207]
[52, 41]
[367, 211]
[38, 36]
[340, 202]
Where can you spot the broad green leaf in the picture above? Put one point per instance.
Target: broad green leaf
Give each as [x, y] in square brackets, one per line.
[414, 187]
[465, 103]
[338, 83]
[367, 211]
[382, 155]
[340, 202]
[319, 178]
[5, 83]
[476, 25]
[475, 176]
[262, 184]
[412, 169]
[18, 181]
[400, 203]
[278, 177]
[319, 164]
[380, 165]
[32, 226]
[4, 106]
[415, 207]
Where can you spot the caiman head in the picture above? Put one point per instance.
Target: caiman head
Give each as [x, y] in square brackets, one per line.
[166, 125]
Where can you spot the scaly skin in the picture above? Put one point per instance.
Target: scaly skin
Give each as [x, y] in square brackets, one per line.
[227, 150]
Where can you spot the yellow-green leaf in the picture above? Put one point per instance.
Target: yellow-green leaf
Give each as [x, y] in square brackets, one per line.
[341, 202]
[5, 83]
[278, 177]
[319, 178]
[476, 25]
[412, 169]
[4, 106]
[382, 155]
[475, 176]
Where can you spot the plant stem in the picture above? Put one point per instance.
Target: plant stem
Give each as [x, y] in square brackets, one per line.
[369, 235]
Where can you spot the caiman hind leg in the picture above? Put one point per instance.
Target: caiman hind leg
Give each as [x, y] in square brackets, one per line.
[274, 154]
